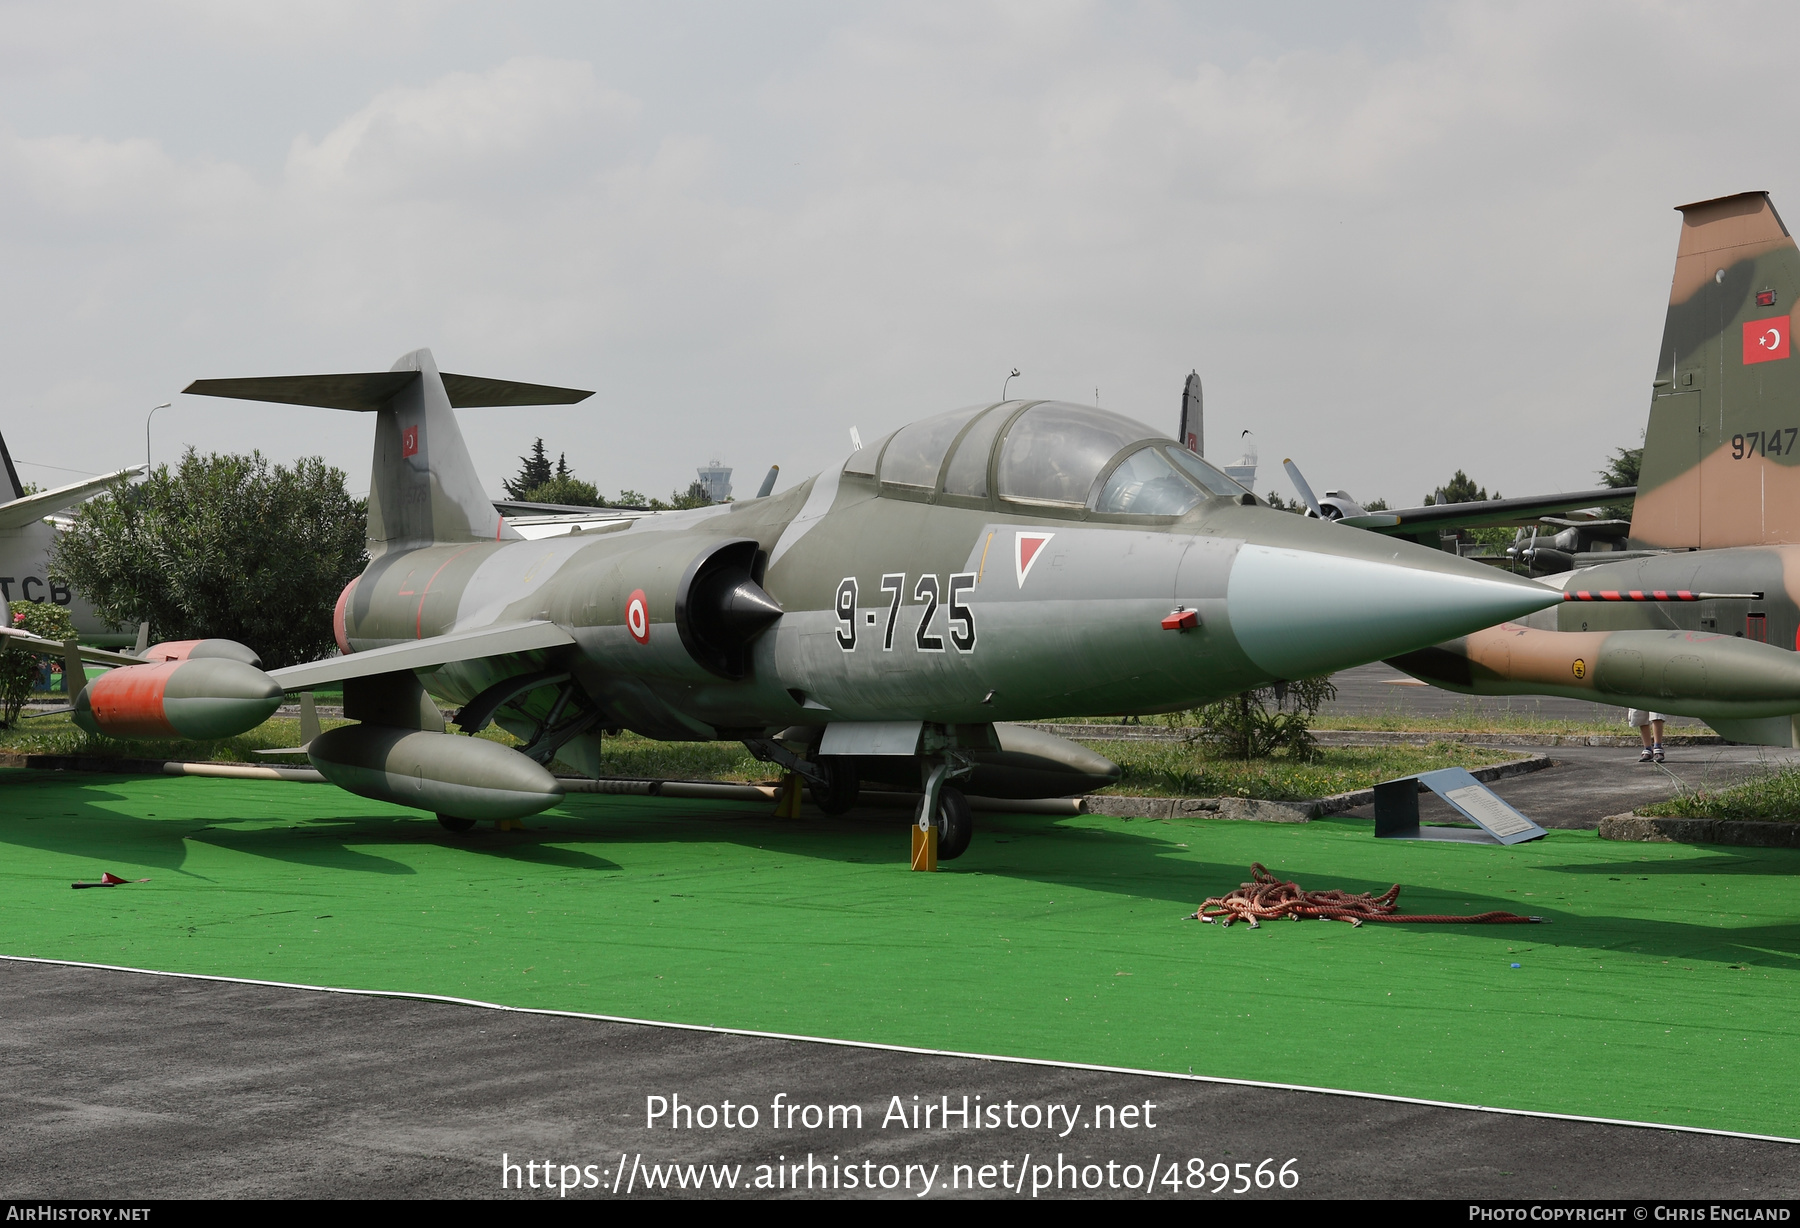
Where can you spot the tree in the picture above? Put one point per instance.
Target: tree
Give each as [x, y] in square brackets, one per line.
[1621, 470]
[534, 471]
[224, 546]
[1460, 489]
[20, 668]
[564, 488]
[695, 496]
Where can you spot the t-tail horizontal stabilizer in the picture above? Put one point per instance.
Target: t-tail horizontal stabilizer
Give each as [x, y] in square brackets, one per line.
[368, 391]
[423, 487]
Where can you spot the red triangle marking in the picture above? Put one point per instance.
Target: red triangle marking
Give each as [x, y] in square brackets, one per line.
[1028, 545]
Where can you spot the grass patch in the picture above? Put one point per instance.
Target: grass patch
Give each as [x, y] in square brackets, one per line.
[1151, 769]
[58, 735]
[1462, 721]
[1773, 798]
[632, 756]
[1173, 769]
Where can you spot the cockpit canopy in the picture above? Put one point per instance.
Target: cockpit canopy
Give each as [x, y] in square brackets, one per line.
[1050, 454]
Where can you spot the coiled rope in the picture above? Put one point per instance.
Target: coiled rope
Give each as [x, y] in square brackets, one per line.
[1267, 896]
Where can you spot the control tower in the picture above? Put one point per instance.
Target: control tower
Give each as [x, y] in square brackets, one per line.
[717, 480]
[1244, 472]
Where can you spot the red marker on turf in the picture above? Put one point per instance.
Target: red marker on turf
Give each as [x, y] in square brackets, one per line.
[109, 879]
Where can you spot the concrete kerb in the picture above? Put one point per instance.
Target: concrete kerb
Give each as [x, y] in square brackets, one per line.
[1746, 833]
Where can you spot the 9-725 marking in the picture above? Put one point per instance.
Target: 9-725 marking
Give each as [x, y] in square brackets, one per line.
[927, 591]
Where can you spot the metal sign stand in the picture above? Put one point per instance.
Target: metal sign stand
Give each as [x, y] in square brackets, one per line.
[1397, 810]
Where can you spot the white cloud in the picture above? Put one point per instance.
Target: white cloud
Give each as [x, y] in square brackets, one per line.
[464, 132]
[1391, 254]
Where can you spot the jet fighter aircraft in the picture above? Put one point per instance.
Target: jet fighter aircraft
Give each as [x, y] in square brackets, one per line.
[1697, 609]
[1001, 562]
[25, 540]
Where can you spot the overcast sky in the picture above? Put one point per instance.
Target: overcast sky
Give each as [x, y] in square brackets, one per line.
[1395, 240]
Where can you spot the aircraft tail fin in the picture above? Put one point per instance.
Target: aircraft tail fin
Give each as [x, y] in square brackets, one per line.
[1191, 430]
[423, 486]
[1721, 464]
[10, 486]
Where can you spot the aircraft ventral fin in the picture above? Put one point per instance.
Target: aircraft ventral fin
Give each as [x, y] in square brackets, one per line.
[424, 654]
[367, 391]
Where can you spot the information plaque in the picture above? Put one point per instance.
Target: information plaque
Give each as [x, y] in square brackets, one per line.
[1397, 810]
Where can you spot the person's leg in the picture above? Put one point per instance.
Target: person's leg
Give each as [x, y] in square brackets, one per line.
[1656, 735]
[1640, 718]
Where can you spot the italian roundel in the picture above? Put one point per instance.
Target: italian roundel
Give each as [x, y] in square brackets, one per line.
[1766, 340]
[637, 616]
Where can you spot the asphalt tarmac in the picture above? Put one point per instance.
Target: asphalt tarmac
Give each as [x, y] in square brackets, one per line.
[121, 1085]
[1584, 784]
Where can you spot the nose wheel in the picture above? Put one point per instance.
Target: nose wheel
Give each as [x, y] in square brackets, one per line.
[450, 822]
[955, 823]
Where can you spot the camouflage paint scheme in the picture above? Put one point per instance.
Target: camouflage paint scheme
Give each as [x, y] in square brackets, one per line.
[872, 603]
[1077, 630]
[1717, 510]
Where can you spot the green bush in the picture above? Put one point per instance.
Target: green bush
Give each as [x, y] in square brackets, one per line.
[19, 666]
[1260, 723]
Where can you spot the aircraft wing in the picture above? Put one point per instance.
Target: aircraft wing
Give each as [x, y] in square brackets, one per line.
[424, 654]
[1486, 513]
[21, 512]
[38, 643]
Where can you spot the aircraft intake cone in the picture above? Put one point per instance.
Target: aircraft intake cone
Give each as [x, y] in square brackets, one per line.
[746, 610]
[1298, 613]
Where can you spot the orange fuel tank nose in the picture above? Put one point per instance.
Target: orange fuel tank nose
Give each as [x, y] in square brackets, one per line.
[204, 699]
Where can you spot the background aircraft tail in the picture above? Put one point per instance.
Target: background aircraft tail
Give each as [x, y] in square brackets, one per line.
[10, 486]
[423, 487]
[1721, 460]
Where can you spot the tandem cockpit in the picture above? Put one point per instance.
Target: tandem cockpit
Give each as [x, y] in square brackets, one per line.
[1055, 456]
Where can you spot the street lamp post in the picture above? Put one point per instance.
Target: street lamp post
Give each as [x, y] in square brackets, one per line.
[147, 418]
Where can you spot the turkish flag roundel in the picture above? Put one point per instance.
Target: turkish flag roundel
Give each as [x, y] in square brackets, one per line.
[1766, 340]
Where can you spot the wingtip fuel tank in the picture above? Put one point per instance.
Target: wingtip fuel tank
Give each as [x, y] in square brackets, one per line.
[202, 699]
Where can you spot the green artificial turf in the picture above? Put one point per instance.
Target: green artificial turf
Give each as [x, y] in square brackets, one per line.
[1663, 990]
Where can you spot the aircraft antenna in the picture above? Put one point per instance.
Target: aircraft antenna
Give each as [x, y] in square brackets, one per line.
[1015, 375]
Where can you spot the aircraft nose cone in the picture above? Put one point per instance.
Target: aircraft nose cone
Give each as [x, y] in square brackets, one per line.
[1297, 613]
